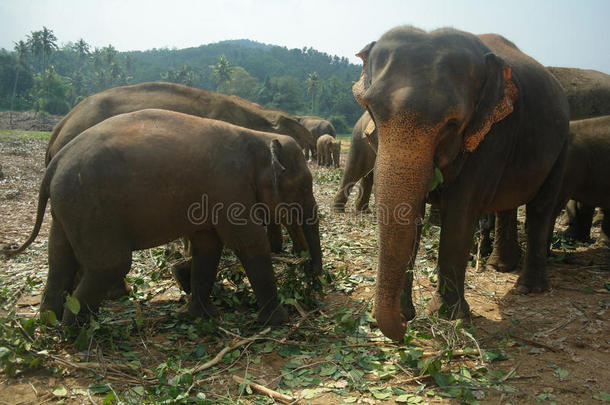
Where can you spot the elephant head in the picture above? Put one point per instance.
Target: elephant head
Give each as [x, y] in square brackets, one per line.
[433, 97]
[292, 200]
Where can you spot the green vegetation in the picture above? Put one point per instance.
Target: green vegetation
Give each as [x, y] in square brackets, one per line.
[19, 134]
[40, 75]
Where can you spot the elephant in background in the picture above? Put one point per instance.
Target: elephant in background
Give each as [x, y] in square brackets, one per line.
[587, 175]
[318, 127]
[492, 120]
[359, 165]
[588, 94]
[329, 151]
[141, 179]
[174, 97]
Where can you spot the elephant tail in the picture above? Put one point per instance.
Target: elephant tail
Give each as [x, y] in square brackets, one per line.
[43, 197]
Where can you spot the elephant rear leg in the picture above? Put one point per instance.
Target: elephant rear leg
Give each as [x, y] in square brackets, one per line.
[540, 217]
[506, 252]
[62, 271]
[580, 219]
[206, 251]
[100, 273]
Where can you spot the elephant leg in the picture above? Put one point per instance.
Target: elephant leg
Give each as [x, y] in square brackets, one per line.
[62, 271]
[364, 193]
[540, 214]
[306, 151]
[457, 233]
[506, 252]
[355, 169]
[580, 219]
[435, 215]
[299, 244]
[181, 273]
[255, 256]
[274, 234]
[206, 250]
[98, 277]
[486, 224]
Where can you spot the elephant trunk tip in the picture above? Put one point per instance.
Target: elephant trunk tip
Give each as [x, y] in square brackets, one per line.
[392, 326]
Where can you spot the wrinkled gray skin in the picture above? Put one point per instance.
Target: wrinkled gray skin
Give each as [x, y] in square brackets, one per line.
[492, 119]
[358, 166]
[318, 127]
[587, 175]
[329, 151]
[141, 179]
[588, 94]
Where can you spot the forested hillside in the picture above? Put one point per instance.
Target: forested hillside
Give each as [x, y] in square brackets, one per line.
[40, 75]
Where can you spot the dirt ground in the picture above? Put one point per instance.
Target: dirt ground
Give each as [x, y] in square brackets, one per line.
[28, 120]
[557, 343]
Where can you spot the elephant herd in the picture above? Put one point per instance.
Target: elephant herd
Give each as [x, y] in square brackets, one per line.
[137, 166]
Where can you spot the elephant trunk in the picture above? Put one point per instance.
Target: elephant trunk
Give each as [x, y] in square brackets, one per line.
[403, 173]
[311, 229]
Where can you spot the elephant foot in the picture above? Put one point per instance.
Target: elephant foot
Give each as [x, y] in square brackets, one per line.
[274, 316]
[506, 262]
[53, 304]
[363, 210]
[199, 309]
[448, 307]
[181, 272]
[339, 207]
[527, 285]
[118, 290]
[573, 232]
[486, 246]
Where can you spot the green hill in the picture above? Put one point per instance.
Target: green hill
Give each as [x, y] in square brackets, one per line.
[294, 80]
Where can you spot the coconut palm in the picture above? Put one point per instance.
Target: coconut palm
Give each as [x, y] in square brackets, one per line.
[313, 83]
[221, 72]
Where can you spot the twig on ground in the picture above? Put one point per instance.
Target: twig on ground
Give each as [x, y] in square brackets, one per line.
[285, 399]
[534, 343]
[232, 346]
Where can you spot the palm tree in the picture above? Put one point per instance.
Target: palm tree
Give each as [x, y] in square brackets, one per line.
[21, 49]
[49, 44]
[82, 49]
[313, 82]
[221, 72]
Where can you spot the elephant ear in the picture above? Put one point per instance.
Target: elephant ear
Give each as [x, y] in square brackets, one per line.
[361, 86]
[495, 102]
[276, 166]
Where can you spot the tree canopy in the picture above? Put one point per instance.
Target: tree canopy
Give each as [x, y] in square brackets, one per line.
[40, 75]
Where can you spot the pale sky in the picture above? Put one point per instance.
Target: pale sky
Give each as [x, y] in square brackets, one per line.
[555, 32]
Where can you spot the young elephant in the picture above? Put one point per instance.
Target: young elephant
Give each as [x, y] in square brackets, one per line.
[587, 176]
[329, 151]
[141, 179]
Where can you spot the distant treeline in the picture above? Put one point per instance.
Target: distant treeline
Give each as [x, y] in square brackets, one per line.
[39, 75]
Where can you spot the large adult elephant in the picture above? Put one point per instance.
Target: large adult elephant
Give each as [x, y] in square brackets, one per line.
[588, 94]
[144, 178]
[492, 119]
[318, 127]
[174, 97]
[359, 165]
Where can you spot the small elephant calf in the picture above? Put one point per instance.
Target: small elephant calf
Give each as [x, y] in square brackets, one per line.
[329, 151]
[145, 178]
